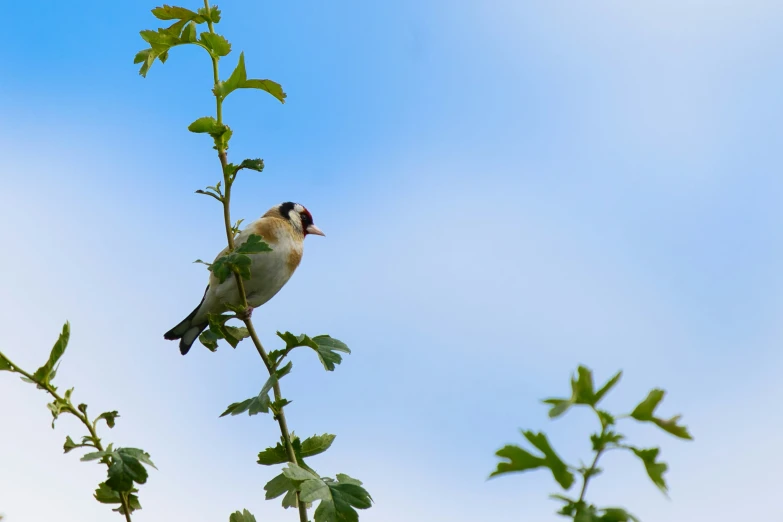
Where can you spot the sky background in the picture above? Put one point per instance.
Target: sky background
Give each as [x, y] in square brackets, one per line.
[508, 189]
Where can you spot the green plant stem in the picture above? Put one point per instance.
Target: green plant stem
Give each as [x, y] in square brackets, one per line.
[76, 413]
[589, 474]
[228, 182]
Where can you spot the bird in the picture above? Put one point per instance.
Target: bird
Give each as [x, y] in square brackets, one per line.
[283, 227]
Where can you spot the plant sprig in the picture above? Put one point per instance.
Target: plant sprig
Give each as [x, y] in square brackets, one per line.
[583, 393]
[126, 466]
[339, 498]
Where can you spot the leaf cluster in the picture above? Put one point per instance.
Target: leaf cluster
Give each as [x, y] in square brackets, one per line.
[338, 498]
[583, 393]
[125, 466]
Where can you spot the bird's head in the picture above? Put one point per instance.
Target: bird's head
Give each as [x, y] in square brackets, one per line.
[300, 218]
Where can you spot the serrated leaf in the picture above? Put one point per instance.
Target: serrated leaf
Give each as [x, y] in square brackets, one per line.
[124, 470]
[212, 14]
[274, 455]
[655, 469]
[137, 453]
[168, 12]
[105, 495]
[45, 373]
[339, 499]
[253, 245]
[522, 460]
[327, 351]
[310, 447]
[316, 444]
[242, 516]
[205, 124]
[217, 44]
[109, 416]
[252, 164]
[277, 486]
[602, 440]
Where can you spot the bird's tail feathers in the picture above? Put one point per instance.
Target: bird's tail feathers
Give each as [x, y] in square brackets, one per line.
[186, 330]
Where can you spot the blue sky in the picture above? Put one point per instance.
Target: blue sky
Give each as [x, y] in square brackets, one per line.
[508, 189]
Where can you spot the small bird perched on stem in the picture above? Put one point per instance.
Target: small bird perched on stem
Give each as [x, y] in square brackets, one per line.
[283, 228]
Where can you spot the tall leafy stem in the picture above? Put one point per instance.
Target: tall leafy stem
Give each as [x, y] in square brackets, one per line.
[298, 482]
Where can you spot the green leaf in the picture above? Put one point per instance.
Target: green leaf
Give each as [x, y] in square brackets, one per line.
[273, 88]
[339, 499]
[617, 515]
[582, 392]
[252, 164]
[261, 402]
[46, 372]
[213, 14]
[608, 386]
[277, 486]
[283, 485]
[209, 339]
[671, 426]
[109, 417]
[273, 455]
[60, 405]
[522, 460]
[105, 495]
[168, 12]
[69, 444]
[216, 43]
[316, 445]
[206, 124]
[242, 516]
[655, 469]
[644, 412]
[189, 33]
[297, 473]
[238, 80]
[606, 418]
[139, 454]
[95, 455]
[327, 351]
[559, 469]
[326, 347]
[311, 446]
[126, 468]
[254, 245]
[602, 440]
[225, 265]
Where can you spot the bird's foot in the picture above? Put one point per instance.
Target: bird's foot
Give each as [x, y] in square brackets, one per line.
[246, 314]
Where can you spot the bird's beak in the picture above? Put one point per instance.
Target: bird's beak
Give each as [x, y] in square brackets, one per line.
[312, 229]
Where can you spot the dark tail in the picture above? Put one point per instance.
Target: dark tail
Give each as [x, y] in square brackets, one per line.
[186, 331]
